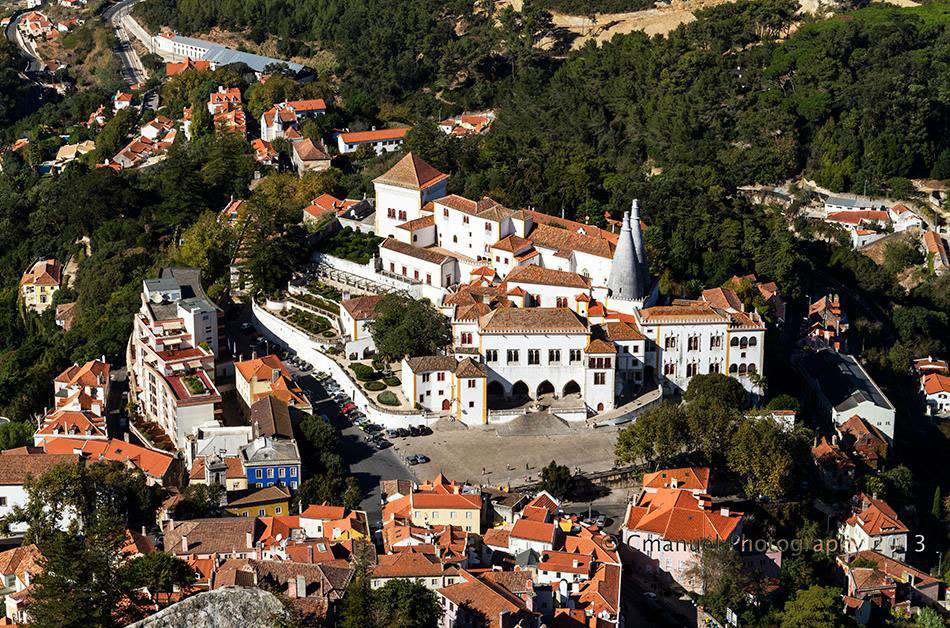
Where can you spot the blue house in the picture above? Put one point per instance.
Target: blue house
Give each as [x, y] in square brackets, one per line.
[271, 461]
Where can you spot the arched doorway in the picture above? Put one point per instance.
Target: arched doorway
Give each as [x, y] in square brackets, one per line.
[571, 388]
[545, 388]
[519, 390]
[446, 405]
[496, 389]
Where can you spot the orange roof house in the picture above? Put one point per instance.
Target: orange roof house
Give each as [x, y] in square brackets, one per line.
[413, 173]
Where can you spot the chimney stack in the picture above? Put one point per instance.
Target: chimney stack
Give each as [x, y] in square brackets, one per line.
[184, 544]
[249, 540]
[724, 512]
[292, 588]
[301, 586]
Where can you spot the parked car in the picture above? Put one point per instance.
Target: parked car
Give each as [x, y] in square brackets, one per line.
[417, 459]
[402, 432]
[413, 430]
[372, 428]
[346, 407]
[424, 430]
[381, 443]
[305, 367]
[600, 521]
[392, 433]
[246, 327]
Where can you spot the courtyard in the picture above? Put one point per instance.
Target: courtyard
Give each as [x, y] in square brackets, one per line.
[509, 453]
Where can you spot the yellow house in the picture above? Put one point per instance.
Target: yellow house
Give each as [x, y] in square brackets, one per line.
[439, 509]
[40, 283]
[270, 501]
[264, 377]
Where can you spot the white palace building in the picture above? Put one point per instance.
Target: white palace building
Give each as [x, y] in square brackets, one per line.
[546, 307]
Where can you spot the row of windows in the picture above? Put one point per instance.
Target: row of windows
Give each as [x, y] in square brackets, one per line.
[391, 213]
[439, 377]
[445, 212]
[282, 472]
[741, 369]
[415, 274]
[513, 356]
[692, 369]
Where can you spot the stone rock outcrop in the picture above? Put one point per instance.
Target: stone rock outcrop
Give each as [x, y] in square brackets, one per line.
[222, 608]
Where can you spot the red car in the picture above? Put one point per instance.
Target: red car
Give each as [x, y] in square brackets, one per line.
[348, 407]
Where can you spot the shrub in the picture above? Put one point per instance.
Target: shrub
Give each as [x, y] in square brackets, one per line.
[374, 385]
[364, 373]
[328, 334]
[391, 381]
[387, 398]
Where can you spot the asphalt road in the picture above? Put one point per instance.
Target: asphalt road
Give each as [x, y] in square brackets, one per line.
[26, 48]
[132, 69]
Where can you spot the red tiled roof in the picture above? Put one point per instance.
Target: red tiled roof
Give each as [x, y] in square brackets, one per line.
[374, 136]
[533, 530]
[876, 517]
[936, 383]
[409, 172]
[15, 468]
[531, 274]
[324, 512]
[688, 478]
[151, 462]
[43, 273]
[676, 515]
[407, 565]
[261, 368]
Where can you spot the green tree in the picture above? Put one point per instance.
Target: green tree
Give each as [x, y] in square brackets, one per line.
[654, 439]
[200, 501]
[768, 458]
[901, 255]
[716, 388]
[556, 479]
[711, 426]
[928, 618]
[400, 603]
[814, 607]
[159, 571]
[783, 402]
[208, 245]
[405, 326]
[719, 573]
[15, 434]
[937, 509]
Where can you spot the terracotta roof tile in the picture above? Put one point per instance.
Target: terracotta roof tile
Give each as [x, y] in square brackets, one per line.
[534, 319]
[409, 172]
[426, 255]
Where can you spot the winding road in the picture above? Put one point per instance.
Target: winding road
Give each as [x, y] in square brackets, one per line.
[26, 47]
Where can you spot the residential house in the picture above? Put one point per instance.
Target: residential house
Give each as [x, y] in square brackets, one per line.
[665, 528]
[874, 525]
[531, 534]
[216, 469]
[335, 523]
[937, 253]
[270, 416]
[889, 584]
[903, 218]
[259, 378]
[467, 124]
[842, 388]
[424, 569]
[121, 100]
[198, 65]
[40, 283]
[381, 141]
[224, 99]
[309, 156]
[221, 537]
[89, 383]
[355, 316]
[16, 467]
[270, 501]
[864, 441]
[159, 468]
[936, 390]
[72, 424]
[276, 121]
[827, 323]
[217, 440]
[271, 461]
[484, 600]
[66, 315]
[834, 468]
[18, 567]
[264, 152]
[403, 191]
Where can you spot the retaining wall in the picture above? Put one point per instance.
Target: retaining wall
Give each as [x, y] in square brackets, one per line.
[286, 335]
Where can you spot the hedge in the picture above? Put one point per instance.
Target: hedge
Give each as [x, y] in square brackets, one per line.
[387, 398]
[328, 334]
[391, 381]
[374, 385]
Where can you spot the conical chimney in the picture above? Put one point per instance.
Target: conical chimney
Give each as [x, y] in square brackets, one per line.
[624, 282]
[638, 245]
